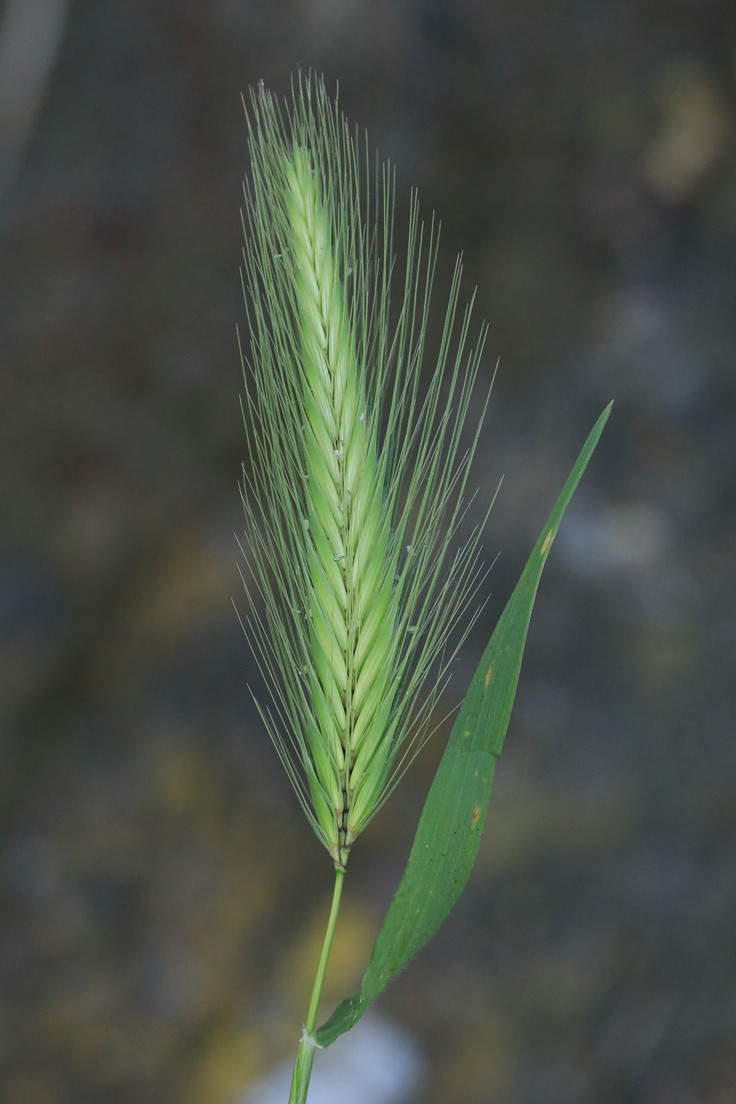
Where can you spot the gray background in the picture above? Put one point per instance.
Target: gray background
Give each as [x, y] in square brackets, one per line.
[162, 898]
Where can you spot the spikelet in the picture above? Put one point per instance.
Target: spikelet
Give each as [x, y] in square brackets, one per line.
[354, 487]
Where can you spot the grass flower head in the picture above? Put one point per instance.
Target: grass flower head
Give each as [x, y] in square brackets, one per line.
[353, 492]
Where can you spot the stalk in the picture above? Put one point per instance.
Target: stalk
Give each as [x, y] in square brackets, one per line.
[307, 1044]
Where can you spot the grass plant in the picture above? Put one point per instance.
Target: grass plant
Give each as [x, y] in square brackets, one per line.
[360, 591]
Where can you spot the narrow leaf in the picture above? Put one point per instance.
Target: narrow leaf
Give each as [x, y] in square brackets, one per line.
[450, 827]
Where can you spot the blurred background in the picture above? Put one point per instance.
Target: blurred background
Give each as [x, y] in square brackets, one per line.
[162, 898]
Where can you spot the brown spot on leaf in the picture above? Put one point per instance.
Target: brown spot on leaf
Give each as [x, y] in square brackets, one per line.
[547, 542]
[489, 675]
[476, 816]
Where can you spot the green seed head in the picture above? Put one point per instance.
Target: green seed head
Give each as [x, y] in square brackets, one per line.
[353, 489]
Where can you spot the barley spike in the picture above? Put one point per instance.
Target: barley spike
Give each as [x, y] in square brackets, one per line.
[353, 490]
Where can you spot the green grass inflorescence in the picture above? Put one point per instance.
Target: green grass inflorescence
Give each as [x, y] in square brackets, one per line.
[353, 491]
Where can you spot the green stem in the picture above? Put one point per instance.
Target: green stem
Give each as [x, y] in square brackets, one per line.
[307, 1045]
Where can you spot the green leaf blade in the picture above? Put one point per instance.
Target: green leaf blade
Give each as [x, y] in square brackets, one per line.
[447, 838]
